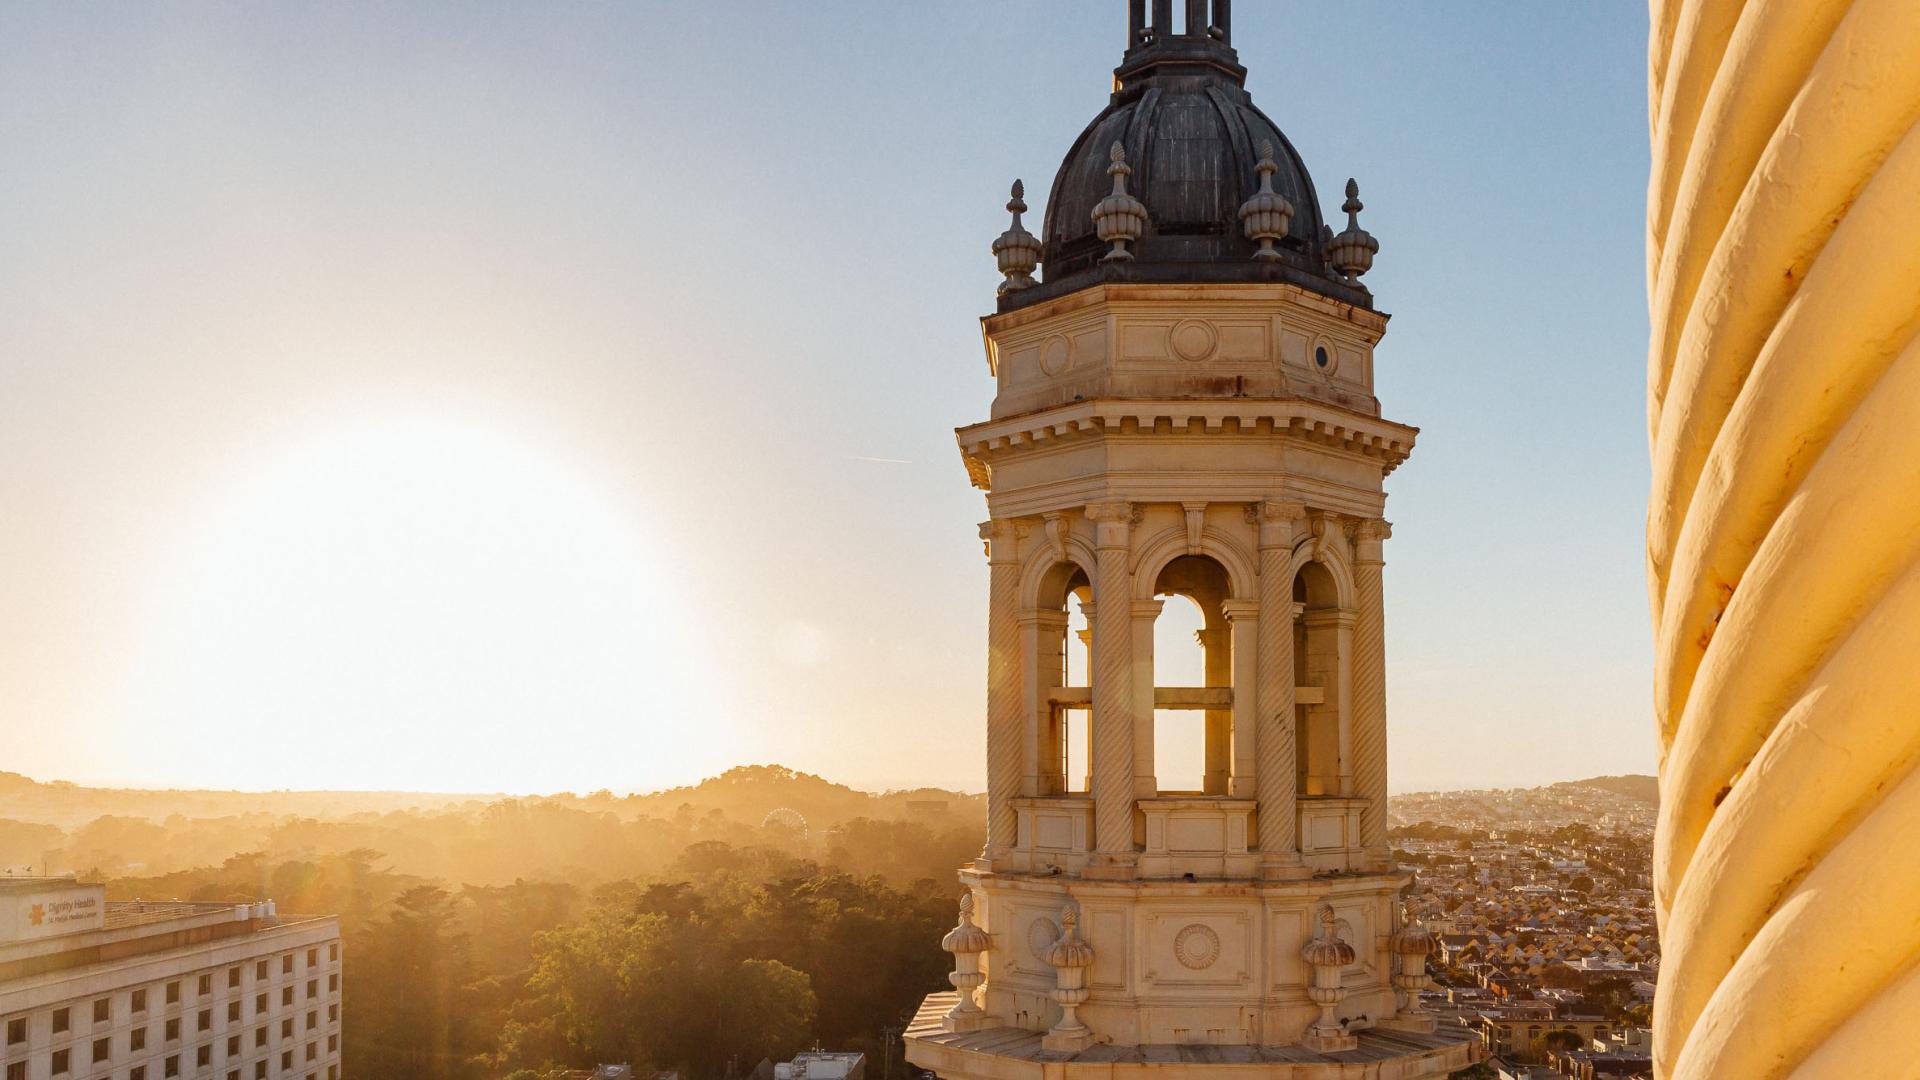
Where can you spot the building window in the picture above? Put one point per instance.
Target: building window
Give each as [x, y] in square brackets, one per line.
[233, 976]
[137, 1040]
[206, 1019]
[260, 1070]
[286, 964]
[313, 989]
[333, 1013]
[17, 1071]
[333, 1072]
[233, 1046]
[286, 1028]
[16, 1031]
[286, 1060]
[62, 1020]
[233, 1012]
[138, 1072]
[313, 1019]
[259, 1004]
[333, 951]
[333, 1043]
[172, 1065]
[260, 970]
[233, 1074]
[102, 1049]
[286, 995]
[140, 1000]
[333, 982]
[313, 958]
[204, 1055]
[173, 992]
[62, 1062]
[313, 1050]
[260, 1036]
[102, 1010]
[173, 1029]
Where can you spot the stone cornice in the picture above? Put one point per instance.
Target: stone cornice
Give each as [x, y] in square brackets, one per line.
[1375, 321]
[1292, 418]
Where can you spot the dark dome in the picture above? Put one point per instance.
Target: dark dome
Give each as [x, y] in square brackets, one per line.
[1193, 137]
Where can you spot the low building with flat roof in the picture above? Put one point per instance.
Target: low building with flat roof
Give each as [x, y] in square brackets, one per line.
[92, 989]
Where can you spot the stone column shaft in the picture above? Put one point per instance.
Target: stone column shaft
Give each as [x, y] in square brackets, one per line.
[1273, 732]
[1006, 725]
[1112, 751]
[1043, 642]
[1146, 777]
[1244, 618]
[1370, 687]
[1217, 645]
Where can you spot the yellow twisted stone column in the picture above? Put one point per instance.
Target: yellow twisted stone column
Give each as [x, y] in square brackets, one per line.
[1275, 786]
[1006, 719]
[1112, 752]
[1783, 528]
[1370, 687]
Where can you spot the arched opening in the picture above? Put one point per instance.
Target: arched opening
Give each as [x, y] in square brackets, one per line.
[1316, 663]
[1074, 722]
[1193, 679]
[1064, 660]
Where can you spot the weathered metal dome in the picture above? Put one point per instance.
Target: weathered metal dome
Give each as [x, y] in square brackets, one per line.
[1194, 140]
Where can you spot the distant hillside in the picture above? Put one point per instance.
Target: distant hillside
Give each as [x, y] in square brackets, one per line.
[750, 792]
[68, 805]
[1644, 788]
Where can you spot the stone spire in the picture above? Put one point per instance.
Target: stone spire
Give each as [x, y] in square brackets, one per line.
[1120, 218]
[1017, 250]
[1351, 253]
[1266, 216]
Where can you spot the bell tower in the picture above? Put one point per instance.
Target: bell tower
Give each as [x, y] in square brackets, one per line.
[1185, 412]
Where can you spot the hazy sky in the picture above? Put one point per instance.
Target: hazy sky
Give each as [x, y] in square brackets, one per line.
[560, 396]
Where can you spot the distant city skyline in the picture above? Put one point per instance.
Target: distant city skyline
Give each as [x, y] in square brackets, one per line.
[488, 399]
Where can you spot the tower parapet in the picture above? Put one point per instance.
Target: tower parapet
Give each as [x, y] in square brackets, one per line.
[1185, 413]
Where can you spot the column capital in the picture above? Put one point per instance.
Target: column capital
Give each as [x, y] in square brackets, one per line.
[1279, 521]
[1147, 609]
[1367, 538]
[1002, 539]
[1240, 610]
[1045, 617]
[1113, 523]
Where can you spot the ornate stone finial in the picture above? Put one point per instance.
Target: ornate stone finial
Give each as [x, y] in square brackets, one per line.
[1070, 957]
[1329, 957]
[1351, 253]
[1017, 250]
[1267, 215]
[1119, 219]
[1411, 945]
[966, 942]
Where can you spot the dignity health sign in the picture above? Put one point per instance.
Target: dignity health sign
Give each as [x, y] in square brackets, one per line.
[33, 910]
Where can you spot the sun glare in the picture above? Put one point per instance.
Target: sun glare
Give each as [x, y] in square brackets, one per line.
[425, 591]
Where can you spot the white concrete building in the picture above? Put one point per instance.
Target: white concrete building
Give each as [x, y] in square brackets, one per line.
[92, 990]
[1185, 414]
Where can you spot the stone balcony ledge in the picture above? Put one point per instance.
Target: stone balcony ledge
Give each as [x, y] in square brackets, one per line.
[1010, 1053]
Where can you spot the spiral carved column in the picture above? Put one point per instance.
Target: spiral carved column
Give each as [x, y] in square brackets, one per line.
[1006, 726]
[1280, 523]
[1783, 379]
[1370, 687]
[1112, 751]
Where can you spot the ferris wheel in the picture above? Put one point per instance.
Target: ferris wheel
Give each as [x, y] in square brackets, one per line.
[786, 818]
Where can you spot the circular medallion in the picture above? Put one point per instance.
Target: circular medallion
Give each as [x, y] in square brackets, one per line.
[1196, 946]
[1056, 355]
[1193, 340]
[1041, 934]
